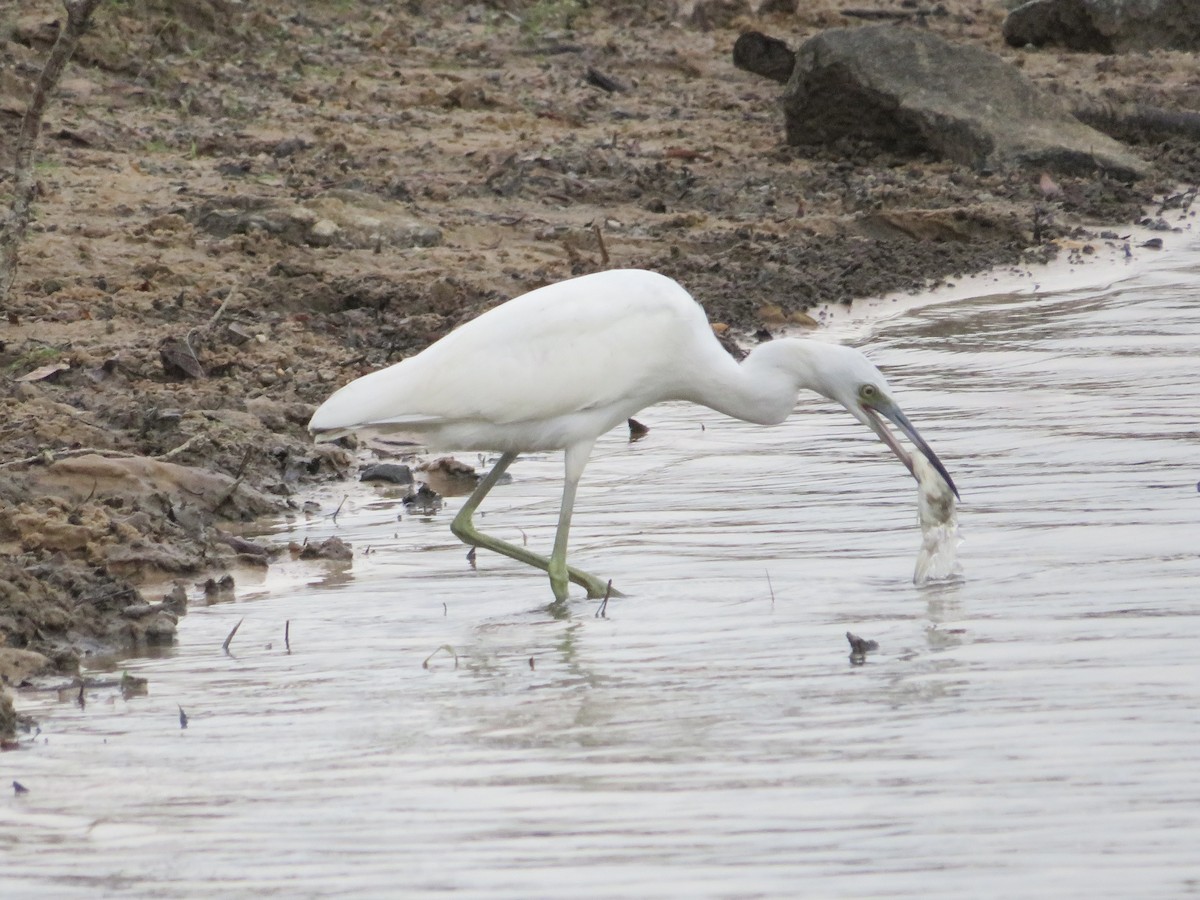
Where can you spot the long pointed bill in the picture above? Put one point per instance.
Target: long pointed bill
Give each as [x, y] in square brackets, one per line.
[893, 414]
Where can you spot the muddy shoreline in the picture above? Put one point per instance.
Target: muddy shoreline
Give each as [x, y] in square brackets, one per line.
[237, 213]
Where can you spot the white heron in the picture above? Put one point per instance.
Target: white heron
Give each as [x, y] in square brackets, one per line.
[557, 367]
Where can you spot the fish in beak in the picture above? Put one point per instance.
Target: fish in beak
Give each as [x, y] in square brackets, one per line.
[885, 408]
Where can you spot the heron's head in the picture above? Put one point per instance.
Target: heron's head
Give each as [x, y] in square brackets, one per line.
[849, 378]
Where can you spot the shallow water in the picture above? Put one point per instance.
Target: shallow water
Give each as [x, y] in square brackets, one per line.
[1032, 730]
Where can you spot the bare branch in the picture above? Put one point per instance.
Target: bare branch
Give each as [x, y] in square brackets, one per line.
[12, 228]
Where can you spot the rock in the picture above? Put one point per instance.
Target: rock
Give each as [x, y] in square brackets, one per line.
[243, 547]
[237, 334]
[179, 359]
[330, 548]
[8, 717]
[766, 56]
[176, 601]
[960, 224]
[16, 665]
[160, 630]
[324, 233]
[389, 472]
[339, 218]
[912, 91]
[145, 558]
[710, 14]
[449, 467]
[1106, 26]
[424, 500]
[219, 590]
[136, 478]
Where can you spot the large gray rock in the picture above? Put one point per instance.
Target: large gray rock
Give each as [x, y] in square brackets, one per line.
[914, 92]
[1106, 26]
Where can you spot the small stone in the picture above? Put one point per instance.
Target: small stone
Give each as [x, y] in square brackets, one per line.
[323, 233]
[391, 473]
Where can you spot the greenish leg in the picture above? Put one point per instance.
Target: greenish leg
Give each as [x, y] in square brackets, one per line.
[464, 529]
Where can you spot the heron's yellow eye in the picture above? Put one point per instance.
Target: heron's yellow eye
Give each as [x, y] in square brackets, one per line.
[868, 393]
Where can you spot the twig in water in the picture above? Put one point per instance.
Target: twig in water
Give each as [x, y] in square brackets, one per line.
[447, 648]
[602, 609]
[771, 588]
[182, 717]
[287, 632]
[339, 509]
[225, 646]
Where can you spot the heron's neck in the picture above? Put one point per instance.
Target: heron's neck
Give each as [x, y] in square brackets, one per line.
[763, 388]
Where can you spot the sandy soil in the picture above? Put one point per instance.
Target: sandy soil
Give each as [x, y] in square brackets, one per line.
[242, 206]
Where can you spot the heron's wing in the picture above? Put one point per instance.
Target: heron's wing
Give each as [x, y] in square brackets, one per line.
[549, 353]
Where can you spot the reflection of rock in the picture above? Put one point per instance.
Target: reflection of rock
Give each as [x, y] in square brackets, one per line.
[914, 92]
[339, 218]
[220, 590]
[1106, 26]
[148, 623]
[423, 500]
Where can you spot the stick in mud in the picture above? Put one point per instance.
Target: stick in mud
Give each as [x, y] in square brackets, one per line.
[600, 241]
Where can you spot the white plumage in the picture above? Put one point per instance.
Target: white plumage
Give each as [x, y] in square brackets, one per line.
[555, 368]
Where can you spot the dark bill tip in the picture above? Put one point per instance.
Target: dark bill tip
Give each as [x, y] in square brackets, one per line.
[893, 414]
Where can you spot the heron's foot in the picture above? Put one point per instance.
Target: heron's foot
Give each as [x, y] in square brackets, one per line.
[464, 530]
[597, 588]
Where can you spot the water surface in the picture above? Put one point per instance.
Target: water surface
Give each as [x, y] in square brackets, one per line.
[1031, 731]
